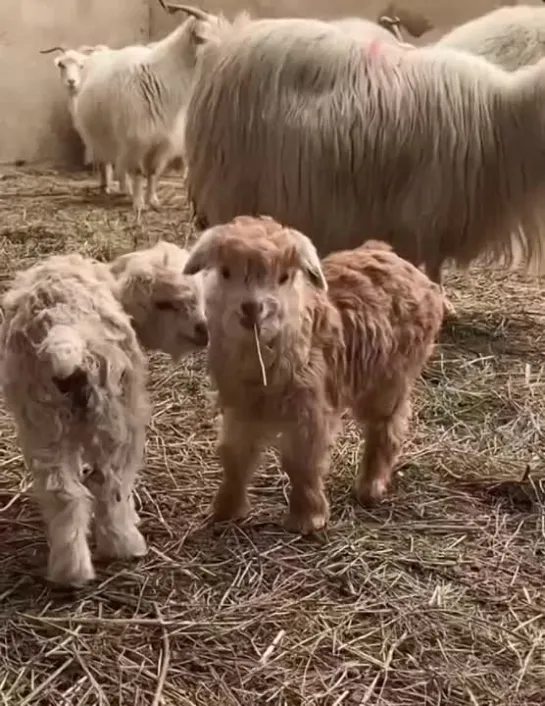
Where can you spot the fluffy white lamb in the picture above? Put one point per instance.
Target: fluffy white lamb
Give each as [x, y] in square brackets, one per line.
[294, 341]
[74, 377]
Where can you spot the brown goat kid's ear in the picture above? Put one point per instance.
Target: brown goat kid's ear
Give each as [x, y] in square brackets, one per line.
[204, 252]
[310, 261]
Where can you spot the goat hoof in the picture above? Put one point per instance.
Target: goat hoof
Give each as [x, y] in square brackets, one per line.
[154, 203]
[70, 570]
[228, 507]
[370, 492]
[306, 523]
[129, 545]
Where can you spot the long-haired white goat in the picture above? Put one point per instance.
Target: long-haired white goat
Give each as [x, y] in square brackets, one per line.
[71, 66]
[436, 151]
[511, 37]
[74, 377]
[132, 106]
[352, 331]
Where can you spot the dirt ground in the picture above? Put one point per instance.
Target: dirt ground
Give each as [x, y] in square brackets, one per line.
[434, 597]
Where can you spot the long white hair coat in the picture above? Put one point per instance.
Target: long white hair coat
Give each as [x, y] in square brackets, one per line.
[344, 138]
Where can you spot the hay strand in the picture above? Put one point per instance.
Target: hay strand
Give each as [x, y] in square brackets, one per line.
[260, 356]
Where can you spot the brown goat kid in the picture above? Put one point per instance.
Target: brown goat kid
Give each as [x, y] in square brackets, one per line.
[353, 331]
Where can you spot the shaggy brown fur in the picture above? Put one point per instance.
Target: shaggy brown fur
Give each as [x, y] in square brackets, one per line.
[354, 331]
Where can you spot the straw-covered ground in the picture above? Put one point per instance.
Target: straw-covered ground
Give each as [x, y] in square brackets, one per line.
[434, 597]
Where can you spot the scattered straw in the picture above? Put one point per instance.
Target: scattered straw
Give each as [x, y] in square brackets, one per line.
[260, 356]
[165, 661]
[434, 597]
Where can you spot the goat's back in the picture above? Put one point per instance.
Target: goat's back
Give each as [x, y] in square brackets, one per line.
[300, 120]
[391, 314]
[510, 37]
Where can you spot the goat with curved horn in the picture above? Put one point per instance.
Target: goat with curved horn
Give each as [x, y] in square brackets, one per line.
[188, 9]
[48, 51]
[415, 23]
[392, 24]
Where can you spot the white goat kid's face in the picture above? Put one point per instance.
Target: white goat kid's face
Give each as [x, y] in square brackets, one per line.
[177, 322]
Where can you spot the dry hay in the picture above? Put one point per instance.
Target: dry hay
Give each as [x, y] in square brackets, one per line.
[434, 597]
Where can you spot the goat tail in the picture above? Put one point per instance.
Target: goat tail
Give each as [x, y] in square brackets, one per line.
[65, 349]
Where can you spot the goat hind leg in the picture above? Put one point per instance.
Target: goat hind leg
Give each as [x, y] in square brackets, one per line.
[383, 442]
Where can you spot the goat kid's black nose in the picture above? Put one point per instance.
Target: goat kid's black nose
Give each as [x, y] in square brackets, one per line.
[251, 309]
[201, 333]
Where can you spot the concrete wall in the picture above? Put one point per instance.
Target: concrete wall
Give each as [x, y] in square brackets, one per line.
[34, 122]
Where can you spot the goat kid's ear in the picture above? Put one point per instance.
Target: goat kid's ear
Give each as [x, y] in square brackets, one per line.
[310, 261]
[204, 252]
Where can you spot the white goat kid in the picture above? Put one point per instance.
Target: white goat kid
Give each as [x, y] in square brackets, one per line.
[73, 376]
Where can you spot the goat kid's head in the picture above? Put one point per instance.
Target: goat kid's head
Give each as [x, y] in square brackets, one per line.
[167, 307]
[259, 274]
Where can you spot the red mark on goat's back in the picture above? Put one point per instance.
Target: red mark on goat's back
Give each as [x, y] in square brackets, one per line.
[374, 49]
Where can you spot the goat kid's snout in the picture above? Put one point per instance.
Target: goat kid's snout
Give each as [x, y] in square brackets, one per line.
[251, 312]
[201, 334]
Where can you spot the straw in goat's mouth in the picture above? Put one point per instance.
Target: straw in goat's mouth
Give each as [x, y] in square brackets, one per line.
[260, 357]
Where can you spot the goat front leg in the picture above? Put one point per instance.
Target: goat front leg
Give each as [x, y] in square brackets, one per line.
[66, 508]
[305, 455]
[116, 520]
[125, 184]
[151, 191]
[138, 195]
[106, 172]
[384, 437]
[239, 449]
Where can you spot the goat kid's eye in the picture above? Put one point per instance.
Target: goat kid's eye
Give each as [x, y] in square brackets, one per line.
[225, 272]
[165, 306]
[284, 277]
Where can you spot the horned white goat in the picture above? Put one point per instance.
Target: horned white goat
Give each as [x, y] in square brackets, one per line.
[394, 18]
[132, 107]
[353, 331]
[436, 151]
[71, 65]
[73, 375]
